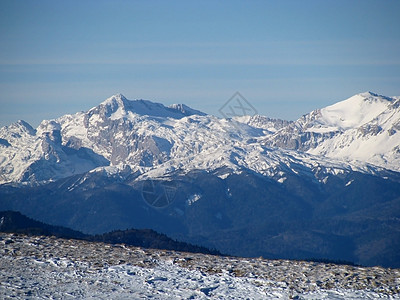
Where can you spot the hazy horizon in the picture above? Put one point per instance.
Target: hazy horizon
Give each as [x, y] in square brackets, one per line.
[286, 58]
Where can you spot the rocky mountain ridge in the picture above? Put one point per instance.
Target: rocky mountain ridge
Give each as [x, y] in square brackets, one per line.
[150, 138]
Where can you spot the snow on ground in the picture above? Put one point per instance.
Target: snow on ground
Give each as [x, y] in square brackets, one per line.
[42, 267]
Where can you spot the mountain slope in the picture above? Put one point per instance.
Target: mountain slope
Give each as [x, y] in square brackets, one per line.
[365, 128]
[15, 222]
[36, 156]
[99, 271]
[348, 216]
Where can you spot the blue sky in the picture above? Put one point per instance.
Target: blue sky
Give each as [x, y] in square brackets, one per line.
[286, 57]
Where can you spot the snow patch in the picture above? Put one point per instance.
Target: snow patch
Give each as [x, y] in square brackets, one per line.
[224, 176]
[282, 179]
[193, 198]
[350, 182]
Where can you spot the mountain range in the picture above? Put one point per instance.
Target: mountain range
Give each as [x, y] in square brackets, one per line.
[324, 186]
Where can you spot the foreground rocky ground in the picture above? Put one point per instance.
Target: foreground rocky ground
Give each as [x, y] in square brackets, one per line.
[45, 267]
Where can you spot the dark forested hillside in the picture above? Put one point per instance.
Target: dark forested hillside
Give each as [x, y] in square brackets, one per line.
[15, 222]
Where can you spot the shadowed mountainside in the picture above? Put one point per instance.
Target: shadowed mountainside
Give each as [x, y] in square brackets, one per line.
[15, 222]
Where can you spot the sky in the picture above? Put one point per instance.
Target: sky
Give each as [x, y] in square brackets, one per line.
[285, 57]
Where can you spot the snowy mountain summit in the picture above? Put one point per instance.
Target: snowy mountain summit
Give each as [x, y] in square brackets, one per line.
[152, 139]
[78, 143]
[364, 128]
[118, 106]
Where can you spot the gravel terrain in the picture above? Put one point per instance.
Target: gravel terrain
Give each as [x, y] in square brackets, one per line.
[35, 267]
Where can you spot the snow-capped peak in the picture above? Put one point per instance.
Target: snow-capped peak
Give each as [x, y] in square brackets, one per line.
[354, 111]
[20, 127]
[118, 106]
[364, 127]
[115, 99]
